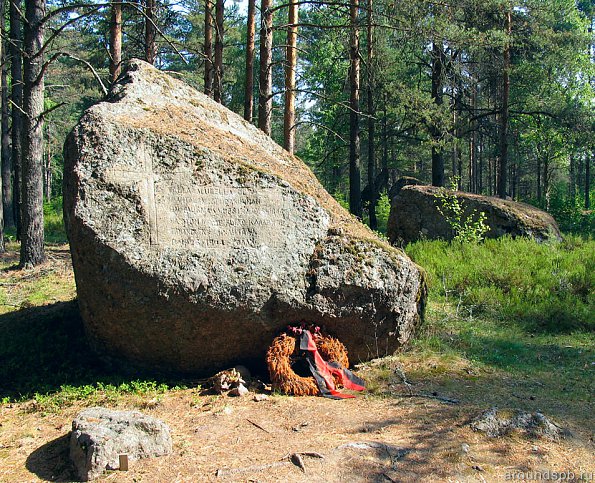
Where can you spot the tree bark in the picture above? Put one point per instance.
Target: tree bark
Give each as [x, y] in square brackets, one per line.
[503, 169]
[219, 33]
[32, 247]
[4, 155]
[588, 180]
[249, 87]
[355, 195]
[538, 179]
[480, 167]
[290, 69]
[48, 176]
[115, 42]
[7, 202]
[546, 182]
[150, 31]
[371, 122]
[265, 88]
[435, 131]
[16, 72]
[385, 138]
[473, 169]
[208, 48]
[572, 179]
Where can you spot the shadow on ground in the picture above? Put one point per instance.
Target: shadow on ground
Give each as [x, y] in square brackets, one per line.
[50, 462]
[44, 348]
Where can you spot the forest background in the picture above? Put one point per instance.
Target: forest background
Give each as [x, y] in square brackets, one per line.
[496, 95]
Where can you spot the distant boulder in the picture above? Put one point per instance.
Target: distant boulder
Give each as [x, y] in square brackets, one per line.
[396, 188]
[414, 214]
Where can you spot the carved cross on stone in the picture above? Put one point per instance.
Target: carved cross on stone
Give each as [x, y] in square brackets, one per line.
[145, 178]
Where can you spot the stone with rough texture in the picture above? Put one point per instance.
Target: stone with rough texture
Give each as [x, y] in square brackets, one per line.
[195, 238]
[100, 435]
[496, 423]
[414, 215]
[401, 183]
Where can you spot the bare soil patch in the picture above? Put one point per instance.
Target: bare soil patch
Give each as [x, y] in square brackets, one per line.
[364, 439]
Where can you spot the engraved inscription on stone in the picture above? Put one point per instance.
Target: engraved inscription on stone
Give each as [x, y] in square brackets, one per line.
[184, 214]
[224, 217]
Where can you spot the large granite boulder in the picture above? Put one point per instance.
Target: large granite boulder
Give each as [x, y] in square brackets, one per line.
[195, 238]
[414, 214]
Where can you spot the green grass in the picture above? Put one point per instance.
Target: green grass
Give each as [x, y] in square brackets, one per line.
[54, 221]
[540, 288]
[507, 317]
[54, 230]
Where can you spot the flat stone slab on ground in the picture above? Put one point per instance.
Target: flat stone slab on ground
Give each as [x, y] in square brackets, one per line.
[496, 423]
[99, 436]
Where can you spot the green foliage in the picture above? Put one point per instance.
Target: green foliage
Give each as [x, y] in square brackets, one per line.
[569, 212]
[341, 199]
[467, 227]
[54, 221]
[544, 288]
[382, 212]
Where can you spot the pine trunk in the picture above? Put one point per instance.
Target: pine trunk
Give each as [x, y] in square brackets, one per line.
[219, 33]
[249, 88]
[7, 202]
[538, 178]
[265, 91]
[115, 44]
[372, 185]
[473, 143]
[150, 31]
[32, 248]
[16, 72]
[47, 173]
[384, 160]
[503, 169]
[572, 179]
[4, 152]
[290, 67]
[208, 48]
[588, 180]
[355, 196]
[435, 131]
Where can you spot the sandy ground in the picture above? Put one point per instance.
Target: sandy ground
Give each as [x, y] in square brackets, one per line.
[217, 438]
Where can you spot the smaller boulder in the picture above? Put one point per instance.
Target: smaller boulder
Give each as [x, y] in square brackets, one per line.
[100, 435]
[496, 423]
[414, 215]
[401, 183]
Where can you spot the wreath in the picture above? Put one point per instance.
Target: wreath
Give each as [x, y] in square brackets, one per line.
[283, 354]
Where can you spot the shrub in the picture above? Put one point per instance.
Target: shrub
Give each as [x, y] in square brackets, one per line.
[467, 228]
